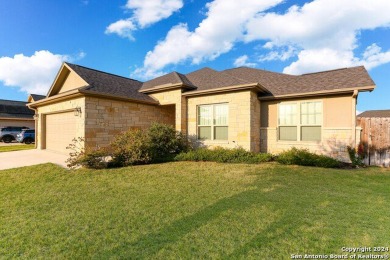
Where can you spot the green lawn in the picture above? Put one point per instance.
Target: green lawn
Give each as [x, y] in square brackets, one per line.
[11, 148]
[191, 210]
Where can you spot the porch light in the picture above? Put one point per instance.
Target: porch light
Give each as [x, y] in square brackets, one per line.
[77, 111]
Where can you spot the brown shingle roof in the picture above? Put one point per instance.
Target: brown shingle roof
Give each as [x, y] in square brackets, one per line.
[284, 84]
[375, 113]
[277, 84]
[101, 82]
[171, 79]
[207, 78]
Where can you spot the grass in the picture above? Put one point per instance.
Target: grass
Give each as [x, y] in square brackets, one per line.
[11, 148]
[191, 210]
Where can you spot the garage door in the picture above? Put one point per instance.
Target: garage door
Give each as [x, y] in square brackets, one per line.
[60, 131]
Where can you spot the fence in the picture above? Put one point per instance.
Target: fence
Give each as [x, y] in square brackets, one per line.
[375, 138]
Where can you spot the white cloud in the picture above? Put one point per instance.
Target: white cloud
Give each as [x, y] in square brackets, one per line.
[216, 34]
[243, 61]
[283, 54]
[151, 11]
[373, 56]
[33, 74]
[123, 28]
[145, 73]
[320, 34]
[325, 31]
[145, 13]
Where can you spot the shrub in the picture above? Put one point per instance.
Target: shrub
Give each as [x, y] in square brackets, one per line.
[92, 158]
[130, 148]
[97, 159]
[164, 141]
[355, 157]
[223, 155]
[305, 158]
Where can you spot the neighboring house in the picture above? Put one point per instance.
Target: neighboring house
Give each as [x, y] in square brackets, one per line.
[34, 98]
[15, 113]
[375, 136]
[251, 108]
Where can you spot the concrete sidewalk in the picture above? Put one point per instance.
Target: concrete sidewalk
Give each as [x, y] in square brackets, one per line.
[16, 159]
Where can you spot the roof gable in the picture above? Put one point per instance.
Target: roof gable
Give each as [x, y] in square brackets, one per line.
[35, 97]
[168, 80]
[67, 79]
[90, 81]
[104, 83]
[207, 78]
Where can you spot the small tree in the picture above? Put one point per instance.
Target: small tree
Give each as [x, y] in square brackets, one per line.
[164, 141]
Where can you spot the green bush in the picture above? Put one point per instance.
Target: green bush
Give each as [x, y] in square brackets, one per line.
[158, 143]
[305, 158]
[130, 148]
[93, 160]
[223, 155]
[164, 141]
[356, 159]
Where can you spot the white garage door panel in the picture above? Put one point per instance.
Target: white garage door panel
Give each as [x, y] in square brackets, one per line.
[60, 130]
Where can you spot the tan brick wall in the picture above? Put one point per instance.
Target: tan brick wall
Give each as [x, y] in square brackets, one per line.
[174, 97]
[241, 106]
[255, 123]
[58, 108]
[106, 118]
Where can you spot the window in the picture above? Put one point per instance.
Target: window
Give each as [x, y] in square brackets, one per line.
[311, 120]
[288, 122]
[212, 122]
[306, 126]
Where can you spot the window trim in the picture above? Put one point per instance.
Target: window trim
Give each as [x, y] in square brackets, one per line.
[299, 120]
[213, 119]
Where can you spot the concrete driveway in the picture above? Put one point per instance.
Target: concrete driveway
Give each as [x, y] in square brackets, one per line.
[16, 159]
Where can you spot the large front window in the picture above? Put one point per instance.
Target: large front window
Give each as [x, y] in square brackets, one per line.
[213, 122]
[300, 121]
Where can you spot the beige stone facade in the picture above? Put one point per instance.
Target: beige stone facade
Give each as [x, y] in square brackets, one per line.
[242, 107]
[107, 118]
[175, 98]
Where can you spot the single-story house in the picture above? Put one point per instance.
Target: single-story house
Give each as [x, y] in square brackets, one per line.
[255, 109]
[15, 113]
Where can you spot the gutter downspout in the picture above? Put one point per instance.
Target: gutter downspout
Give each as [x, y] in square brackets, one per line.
[354, 102]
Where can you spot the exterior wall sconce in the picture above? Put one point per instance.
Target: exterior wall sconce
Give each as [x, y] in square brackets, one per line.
[77, 111]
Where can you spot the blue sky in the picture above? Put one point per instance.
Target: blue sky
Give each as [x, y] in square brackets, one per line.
[143, 39]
